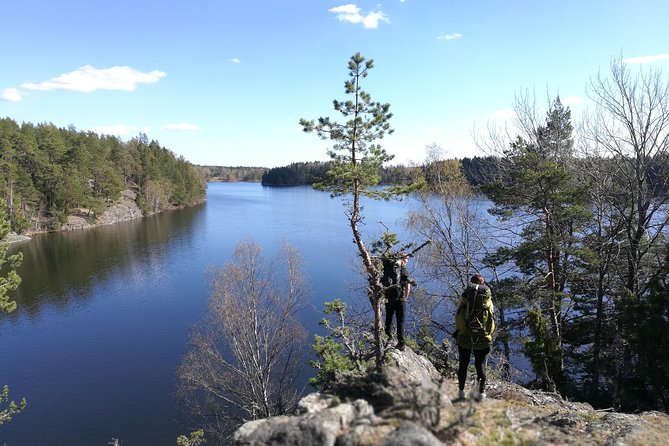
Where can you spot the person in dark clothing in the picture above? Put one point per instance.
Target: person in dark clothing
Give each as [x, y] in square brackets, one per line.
[396, 294]
[475, 325]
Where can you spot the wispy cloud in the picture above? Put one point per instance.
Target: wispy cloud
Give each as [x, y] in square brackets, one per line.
[352, 14]
[181, 126]
[454, 36]
[502, 115]
[646, 59]
[88, 79]
[235, 60]
[11, 95]
[119, 130]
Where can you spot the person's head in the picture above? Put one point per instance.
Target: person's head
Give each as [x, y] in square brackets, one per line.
[404, 258]
[477, 279]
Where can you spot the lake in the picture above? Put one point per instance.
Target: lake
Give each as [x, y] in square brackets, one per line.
[103, 314]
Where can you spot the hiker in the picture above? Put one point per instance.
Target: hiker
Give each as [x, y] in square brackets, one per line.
[474, 328]
[397, 286]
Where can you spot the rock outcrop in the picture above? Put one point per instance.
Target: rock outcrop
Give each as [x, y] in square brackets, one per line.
[394, 407]
[408, 403]
[123, 209]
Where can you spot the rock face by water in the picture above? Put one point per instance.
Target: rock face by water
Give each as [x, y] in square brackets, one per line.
[408, 403]
[123, 209]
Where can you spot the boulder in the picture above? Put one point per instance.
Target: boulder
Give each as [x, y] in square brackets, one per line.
[408, 386]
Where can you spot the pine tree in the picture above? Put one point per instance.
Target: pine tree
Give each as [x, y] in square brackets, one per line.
[541, 192]
[357, 160]
[7, 283]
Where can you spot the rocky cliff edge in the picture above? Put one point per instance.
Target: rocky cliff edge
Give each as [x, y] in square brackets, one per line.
[409, 403]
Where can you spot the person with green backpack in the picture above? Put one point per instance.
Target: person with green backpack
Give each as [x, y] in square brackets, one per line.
[475, 324]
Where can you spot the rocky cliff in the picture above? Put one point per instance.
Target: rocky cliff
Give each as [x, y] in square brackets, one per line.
[123, 209]
[409, 403]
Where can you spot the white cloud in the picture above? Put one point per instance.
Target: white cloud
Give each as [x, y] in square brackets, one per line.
[87, 79]
[352, 14]
[181, 126]
[349, 9]
[235, 60]
[501, 115]
[119, 130]
[11, 95]
[453, 36]
[646, 59]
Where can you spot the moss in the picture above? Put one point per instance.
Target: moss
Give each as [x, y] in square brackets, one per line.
[505, 438]
[590, 417]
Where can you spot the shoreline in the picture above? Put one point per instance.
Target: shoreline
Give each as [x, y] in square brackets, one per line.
[123, 209]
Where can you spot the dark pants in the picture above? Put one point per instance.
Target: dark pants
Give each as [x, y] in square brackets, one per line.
[479, 361]
[397, 308]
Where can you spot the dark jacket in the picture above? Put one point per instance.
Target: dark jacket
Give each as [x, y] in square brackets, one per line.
[395, 292]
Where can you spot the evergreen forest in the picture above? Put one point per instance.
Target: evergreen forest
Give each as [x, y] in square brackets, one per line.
[231, 174]
[47, 173]
[476, 170]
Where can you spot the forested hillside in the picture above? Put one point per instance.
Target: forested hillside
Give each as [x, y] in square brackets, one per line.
[46, 172]
[296, 174]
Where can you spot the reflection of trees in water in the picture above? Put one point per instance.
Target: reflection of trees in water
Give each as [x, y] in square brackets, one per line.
[61, 267]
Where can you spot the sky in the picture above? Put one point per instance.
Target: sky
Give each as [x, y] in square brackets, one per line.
[225, 82]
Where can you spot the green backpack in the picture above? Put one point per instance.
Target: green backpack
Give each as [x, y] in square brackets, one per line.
[477, 322]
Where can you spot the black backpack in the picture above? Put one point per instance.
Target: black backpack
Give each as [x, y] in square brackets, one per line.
[392, 275]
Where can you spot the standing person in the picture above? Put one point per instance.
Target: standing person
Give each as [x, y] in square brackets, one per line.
[474, 328]
[397, 285]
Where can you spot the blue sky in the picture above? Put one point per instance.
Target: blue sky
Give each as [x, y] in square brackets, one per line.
[225, 82]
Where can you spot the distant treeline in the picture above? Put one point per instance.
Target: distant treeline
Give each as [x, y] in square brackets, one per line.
[296, 174]
[231, 174]
[46, 172]
[477, 170]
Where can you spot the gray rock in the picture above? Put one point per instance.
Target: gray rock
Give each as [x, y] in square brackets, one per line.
[409, 433]
[13, 237]
[321, 428]
[396, 406]
[314, 402]
[408, 386]
[370, 434]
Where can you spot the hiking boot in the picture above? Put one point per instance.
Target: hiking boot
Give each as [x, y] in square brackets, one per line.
[480, 397]
[400, 347]
[461, 395]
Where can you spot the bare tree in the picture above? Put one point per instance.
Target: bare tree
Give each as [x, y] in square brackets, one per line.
[626, 157]
[631, 128]
[462, 238]
[244, 358]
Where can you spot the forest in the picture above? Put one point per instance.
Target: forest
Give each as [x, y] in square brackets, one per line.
[46, 172]
[476, 170]
[231, 174]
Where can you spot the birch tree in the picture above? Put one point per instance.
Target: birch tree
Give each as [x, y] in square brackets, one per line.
[244, 358]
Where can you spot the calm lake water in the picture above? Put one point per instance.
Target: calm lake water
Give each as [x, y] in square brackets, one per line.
[104, 313]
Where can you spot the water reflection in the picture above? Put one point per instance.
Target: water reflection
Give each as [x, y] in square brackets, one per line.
[60, 268]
